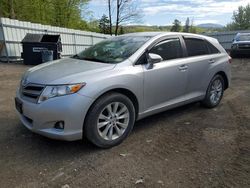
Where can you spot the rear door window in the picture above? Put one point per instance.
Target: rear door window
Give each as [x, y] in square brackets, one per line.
[196, 47]
[168, 49]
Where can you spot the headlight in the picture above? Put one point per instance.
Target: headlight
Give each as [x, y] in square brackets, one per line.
[59, 90]
[234, 46]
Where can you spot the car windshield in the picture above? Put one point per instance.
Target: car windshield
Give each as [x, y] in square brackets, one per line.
[244, 37]
[113, 50]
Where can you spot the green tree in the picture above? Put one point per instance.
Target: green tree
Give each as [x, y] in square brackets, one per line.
[192, 27]
[176, 26]
[187, 26]
[62, 13]
[104, 24]
[121, 32]
[241, 19]
[93, 26]
[67, 13]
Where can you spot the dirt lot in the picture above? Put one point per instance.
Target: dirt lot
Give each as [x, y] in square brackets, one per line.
[186, 147]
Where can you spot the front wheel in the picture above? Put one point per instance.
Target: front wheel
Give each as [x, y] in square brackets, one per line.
[109, 121]
[214, 92]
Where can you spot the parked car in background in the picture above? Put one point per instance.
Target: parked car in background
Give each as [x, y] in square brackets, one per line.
[101, 92]
[240, 45]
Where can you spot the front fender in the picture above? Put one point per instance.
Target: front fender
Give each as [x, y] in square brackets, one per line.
[129, 78]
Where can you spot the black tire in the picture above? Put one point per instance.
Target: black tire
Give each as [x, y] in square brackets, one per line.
[90, 128]
[207, 102]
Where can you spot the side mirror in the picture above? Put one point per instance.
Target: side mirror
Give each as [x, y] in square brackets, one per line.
[152, 59]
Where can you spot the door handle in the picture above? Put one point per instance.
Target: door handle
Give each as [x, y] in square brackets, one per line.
[183, 67]
[211, 61]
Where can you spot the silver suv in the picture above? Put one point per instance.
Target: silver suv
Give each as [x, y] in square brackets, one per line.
[101, 92]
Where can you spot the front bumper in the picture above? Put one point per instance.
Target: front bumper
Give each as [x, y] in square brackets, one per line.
[41, 118]
[240, 52]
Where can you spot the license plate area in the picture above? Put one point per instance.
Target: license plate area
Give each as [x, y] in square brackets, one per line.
[19, 105]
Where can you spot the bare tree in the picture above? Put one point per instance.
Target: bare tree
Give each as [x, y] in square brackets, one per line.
[126, 12]
[110, 17]
[118, 6]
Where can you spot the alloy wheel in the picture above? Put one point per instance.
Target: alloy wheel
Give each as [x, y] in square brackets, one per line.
[113, 121]
[216, 91]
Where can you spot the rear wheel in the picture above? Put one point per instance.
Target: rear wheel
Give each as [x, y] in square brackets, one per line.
[109, 120]
[214, 92]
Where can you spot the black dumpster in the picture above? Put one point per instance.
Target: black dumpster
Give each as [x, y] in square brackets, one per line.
[39, 48]
[47, 55]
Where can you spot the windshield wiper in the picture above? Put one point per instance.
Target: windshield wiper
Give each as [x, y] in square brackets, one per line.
[76, 56]
[94, 59]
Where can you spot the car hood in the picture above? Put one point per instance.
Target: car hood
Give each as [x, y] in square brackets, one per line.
[64, 71]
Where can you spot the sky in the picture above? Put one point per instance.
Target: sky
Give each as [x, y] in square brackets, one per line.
[163, 12]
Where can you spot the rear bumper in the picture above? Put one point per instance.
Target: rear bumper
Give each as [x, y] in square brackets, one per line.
[41, 118]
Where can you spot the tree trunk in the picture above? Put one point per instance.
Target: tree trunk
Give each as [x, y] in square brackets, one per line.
[117, 17]
[12, 11]
[110, 18]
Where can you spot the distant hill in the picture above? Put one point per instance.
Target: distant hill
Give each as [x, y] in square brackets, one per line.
[210, 25]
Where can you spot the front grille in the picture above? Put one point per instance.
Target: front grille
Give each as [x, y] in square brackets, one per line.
[31, 92]
[244, 46]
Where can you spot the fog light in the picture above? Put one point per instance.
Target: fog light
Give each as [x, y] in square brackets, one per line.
[59, 125]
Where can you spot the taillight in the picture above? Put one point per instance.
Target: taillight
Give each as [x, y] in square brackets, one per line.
[229, 60]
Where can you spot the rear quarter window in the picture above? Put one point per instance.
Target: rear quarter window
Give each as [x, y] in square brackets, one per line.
[212, 49]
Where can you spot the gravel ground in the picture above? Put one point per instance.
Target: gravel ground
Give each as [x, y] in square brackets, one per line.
[186, 147]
